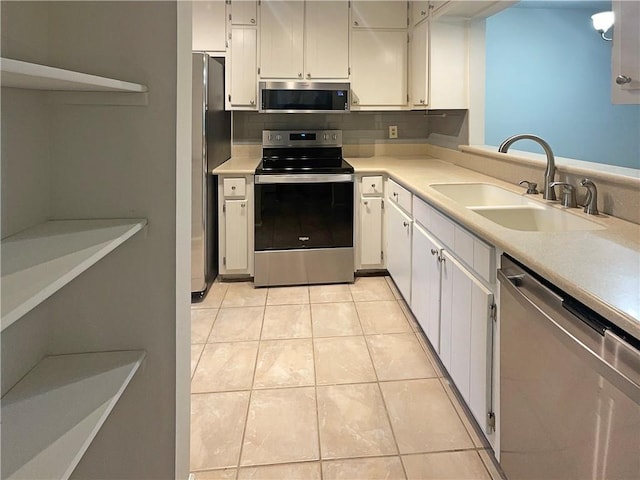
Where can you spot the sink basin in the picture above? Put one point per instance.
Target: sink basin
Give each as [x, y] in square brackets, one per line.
[480, 194]
[534, 218]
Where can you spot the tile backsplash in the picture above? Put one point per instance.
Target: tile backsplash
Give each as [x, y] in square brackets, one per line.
[446, 127]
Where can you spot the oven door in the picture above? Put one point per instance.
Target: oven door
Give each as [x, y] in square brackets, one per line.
[303, 229]
[307, 211]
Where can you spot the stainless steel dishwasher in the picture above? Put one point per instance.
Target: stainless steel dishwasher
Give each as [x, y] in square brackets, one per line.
[569, 386]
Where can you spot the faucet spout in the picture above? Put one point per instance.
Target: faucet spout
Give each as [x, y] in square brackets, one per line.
[549, 174]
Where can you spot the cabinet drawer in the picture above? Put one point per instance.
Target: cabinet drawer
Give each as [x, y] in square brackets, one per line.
[400, 195]
[234, 187]
[431, 219]
[371, 185]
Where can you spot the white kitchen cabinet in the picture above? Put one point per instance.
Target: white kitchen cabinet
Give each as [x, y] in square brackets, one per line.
[439, 65]
[326, 43]
[379, 14]
[281, 39]
[242, 72]
[425, 283]
[209, 26]
[466, 335]
[625, 59]
[244, 12]
[398, 257]
[370, 244]
[378, 68]
[236, 226]
[304, 40]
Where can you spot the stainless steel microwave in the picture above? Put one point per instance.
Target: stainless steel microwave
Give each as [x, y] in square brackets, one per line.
[304, 97]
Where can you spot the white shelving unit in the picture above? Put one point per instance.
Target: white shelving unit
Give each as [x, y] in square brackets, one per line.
[51, 416]
[19, 74]
[39, 261]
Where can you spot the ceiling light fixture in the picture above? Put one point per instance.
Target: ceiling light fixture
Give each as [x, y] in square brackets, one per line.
[602, 22]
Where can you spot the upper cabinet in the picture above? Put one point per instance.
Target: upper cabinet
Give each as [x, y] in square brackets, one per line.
[378, 75]
[209, 32]
[625, 71]
[367, 14]
[326, 42]
[304, 40]
[242, 71]
[281, 39]
[439, 65]
[243, 12]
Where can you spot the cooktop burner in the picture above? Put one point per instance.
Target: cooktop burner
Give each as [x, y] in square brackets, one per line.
[313, 151]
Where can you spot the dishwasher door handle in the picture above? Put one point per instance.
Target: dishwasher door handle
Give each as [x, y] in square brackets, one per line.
[600, 365]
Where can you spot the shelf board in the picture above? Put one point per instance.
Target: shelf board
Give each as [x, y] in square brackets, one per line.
[39, 261]
[52, 415]
[19, 74]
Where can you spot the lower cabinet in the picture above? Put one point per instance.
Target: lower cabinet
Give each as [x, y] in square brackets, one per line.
[466, 333]
[236, 235]
[425, 283]
[371, 231]
[398, 234]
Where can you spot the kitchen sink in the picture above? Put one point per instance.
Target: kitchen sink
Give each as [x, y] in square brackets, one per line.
[480, 194]
[533, 218]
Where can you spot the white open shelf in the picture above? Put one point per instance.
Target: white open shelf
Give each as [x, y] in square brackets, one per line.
[19, 74]
[39, 261]
[51, 416]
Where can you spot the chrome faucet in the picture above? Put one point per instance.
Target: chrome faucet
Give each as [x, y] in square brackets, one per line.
[548, 193]
[591, 203]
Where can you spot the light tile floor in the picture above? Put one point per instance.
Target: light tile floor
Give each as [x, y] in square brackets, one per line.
[322, 382]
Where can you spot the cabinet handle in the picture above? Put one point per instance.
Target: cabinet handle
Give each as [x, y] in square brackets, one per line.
[434, 251]
[308, 75]
[405, 224]
[423, 13]
[395, 194]
[366, 203]
[422, 101]
[355, 102]
[623, 79]
[253, 20]
[299, 75]
[252, 102]
[356, 24]
[243, 205]
[233, 187]
[373, 185]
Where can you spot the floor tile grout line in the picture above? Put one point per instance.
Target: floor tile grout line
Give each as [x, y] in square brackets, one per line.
[246, 417]
[315, 388]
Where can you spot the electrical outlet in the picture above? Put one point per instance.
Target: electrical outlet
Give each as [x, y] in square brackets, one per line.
[393, 131]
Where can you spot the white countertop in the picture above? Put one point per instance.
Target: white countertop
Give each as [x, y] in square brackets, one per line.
[600, 268]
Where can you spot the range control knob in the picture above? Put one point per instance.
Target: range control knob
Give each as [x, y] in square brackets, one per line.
[335, 137]
[325, 136]
[278, 138]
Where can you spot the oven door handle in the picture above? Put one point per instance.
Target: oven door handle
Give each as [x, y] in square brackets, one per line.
[305, 178]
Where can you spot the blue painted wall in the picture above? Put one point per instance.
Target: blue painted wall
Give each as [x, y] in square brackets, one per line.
[548, 73]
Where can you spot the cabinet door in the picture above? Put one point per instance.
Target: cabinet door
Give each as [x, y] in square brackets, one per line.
[379, 75]
[418, 65]
[466, 335]
[448, 64]
[370, 231]
[281, 39]
[425, 283]
[244, 12]
[379, 14]
[209, 32]
[419, 11]
[242, 74]
[625, 58]
[326, 40]
[398, 234]
[236, 234]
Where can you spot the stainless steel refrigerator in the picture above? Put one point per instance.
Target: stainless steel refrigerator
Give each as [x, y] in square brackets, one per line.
[211, 146]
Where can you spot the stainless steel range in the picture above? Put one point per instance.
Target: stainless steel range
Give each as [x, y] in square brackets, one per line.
[303, 209]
